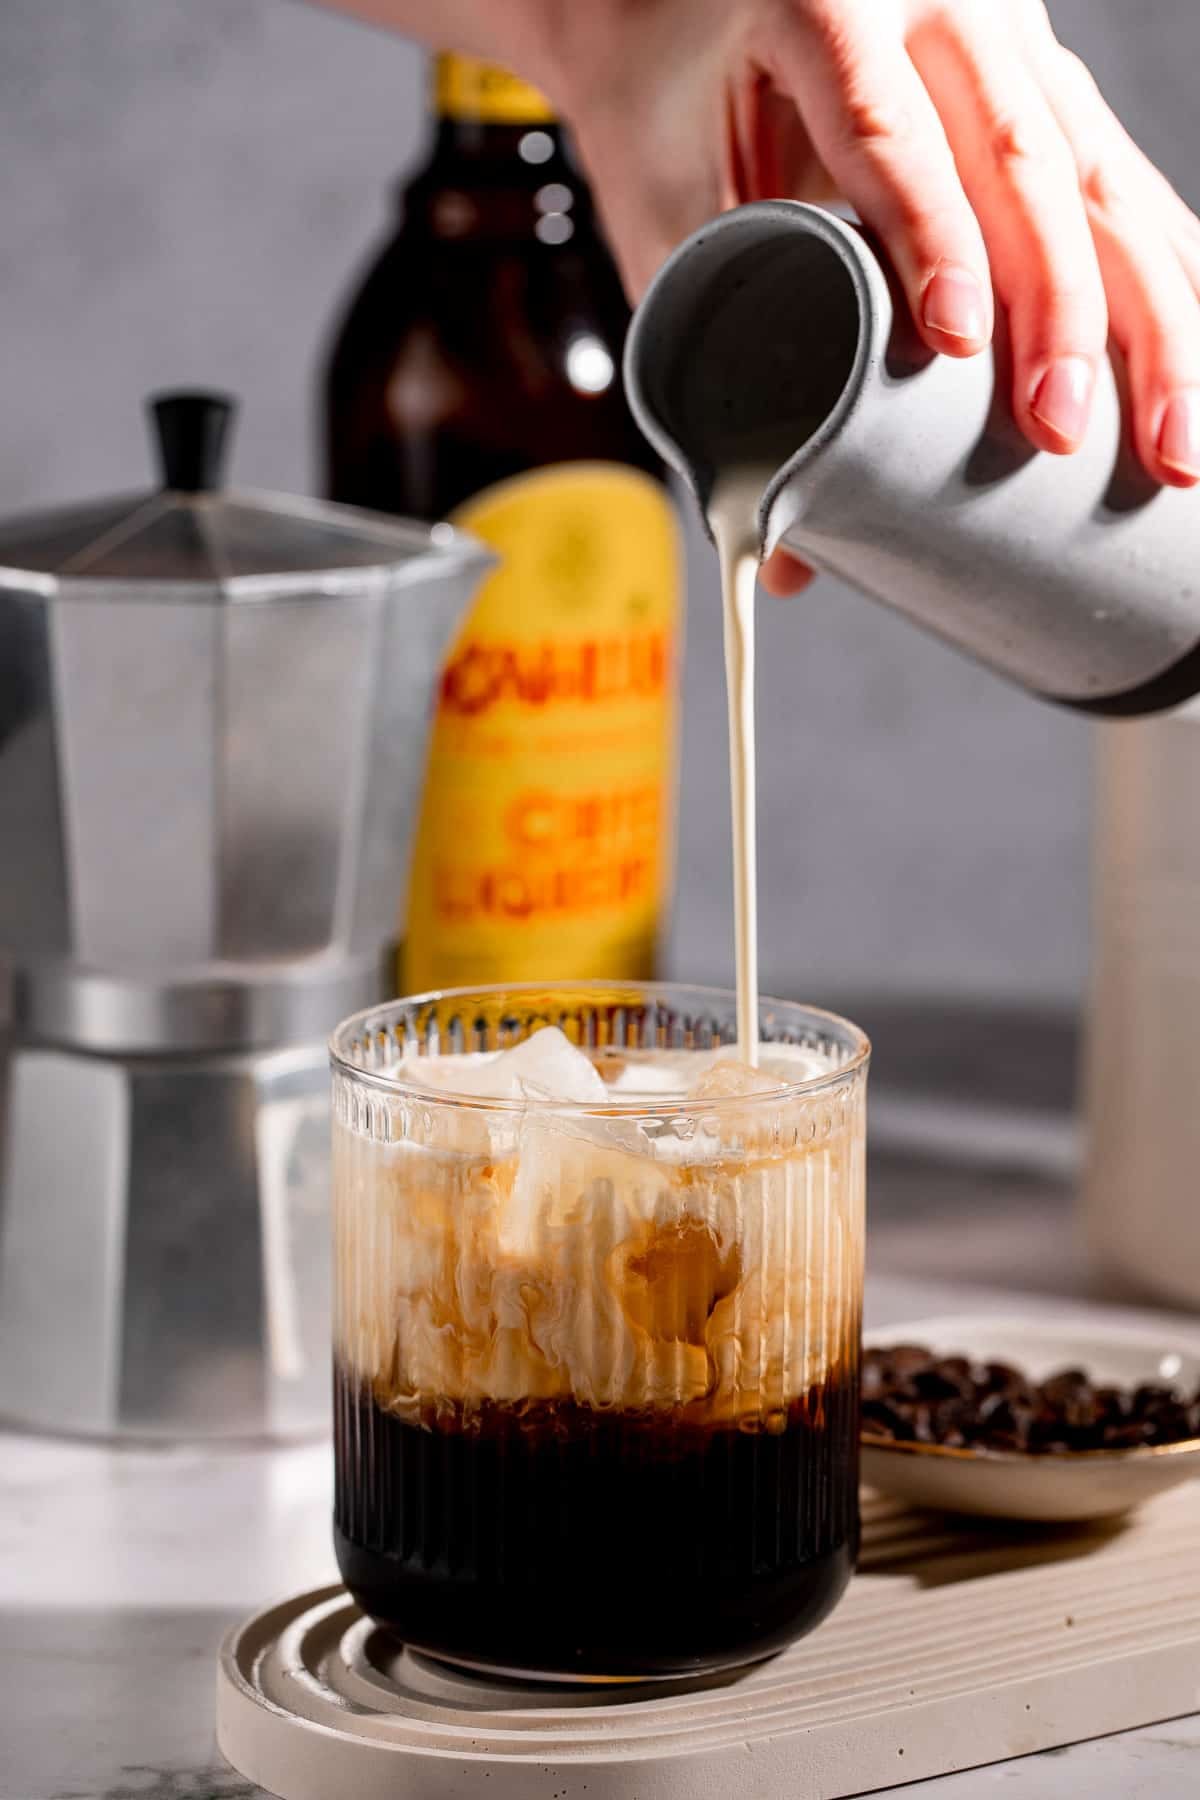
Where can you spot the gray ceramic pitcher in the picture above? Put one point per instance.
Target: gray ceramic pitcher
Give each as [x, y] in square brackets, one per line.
[776, 334]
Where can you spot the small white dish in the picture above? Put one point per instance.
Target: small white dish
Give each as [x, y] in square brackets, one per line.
[1056, 1487]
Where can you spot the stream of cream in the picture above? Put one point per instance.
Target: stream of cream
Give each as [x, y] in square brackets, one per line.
[733, 517]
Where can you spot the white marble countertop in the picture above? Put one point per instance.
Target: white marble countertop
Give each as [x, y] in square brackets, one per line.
[120, 1569]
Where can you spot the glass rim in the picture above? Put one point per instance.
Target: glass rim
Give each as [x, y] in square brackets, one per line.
[383, 1014]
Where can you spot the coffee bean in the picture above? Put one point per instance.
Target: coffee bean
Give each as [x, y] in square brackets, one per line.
[938, 1383]
[1002, 1378]
[911, 1395]
[882, 1418]
[1146, 1399]
[1127, 1437]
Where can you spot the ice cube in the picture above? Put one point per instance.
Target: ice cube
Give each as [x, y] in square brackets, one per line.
[544, 1066]
[547, 1066]
[734, 1081]
[578, 1175]
[732, 1128]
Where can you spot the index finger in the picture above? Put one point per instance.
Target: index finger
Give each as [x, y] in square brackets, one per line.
[783, 574]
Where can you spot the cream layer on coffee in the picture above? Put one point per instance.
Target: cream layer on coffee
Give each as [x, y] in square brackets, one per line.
[706, 1258]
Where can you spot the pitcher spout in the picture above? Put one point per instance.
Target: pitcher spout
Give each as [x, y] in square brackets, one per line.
[752, 346]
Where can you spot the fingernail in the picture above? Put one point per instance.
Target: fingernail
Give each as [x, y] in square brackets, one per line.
[1060, 400]
[954, 305]
[1179, 434]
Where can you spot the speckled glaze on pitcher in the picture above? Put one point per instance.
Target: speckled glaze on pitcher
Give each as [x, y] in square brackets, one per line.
[773, 335]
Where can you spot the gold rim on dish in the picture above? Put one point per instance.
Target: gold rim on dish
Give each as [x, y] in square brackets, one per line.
[973, 1453]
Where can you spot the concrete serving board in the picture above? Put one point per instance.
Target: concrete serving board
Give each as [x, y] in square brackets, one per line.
[956, 1645]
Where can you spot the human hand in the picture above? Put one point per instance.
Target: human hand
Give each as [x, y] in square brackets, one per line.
[976, 147]
[963, 133]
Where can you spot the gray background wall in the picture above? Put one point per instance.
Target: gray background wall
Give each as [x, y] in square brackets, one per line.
[188, 187]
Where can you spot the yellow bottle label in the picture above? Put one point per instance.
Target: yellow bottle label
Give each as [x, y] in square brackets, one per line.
[464, 88]
[545, 849]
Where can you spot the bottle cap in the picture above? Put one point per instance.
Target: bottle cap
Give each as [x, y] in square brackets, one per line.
[465, 88]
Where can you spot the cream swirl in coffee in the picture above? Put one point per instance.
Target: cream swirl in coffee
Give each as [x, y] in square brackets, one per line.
[701, 1259]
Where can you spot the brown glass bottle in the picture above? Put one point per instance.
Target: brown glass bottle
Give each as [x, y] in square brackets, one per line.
[452, 369]
[477, 375]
